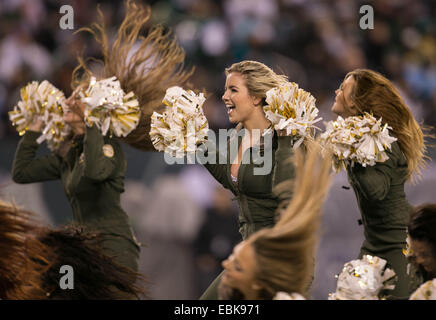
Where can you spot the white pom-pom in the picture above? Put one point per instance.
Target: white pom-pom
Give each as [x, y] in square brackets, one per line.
[182, 126]
[292, 109]
[44, 102]
[427, 291]
[363, 279]
[109, 108]
[360, 139]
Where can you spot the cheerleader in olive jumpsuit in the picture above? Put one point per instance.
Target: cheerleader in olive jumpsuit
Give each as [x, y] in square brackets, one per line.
[92, 171]
[257, 202]
[92, 174]
[385, 211]
[379, 189]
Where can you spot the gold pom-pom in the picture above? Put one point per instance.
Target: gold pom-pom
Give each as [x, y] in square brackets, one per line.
[41, 101]
[109, 108]
[292, 109]
[361, 139]
[182, 126]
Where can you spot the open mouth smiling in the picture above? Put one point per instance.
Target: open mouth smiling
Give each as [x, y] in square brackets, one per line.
[230, 108]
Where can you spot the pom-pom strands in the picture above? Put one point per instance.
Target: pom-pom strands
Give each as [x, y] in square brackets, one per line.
[361, 139]
[182, 126]
[363, 279]
[109, 108]
[55, 131]
[26, 109]
[292, 109]
[427, 291]
[41, 102]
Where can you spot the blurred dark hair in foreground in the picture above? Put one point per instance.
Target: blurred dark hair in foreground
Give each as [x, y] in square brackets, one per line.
[31, 257]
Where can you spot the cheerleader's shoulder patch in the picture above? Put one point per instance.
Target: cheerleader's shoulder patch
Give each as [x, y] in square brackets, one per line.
[108, 151]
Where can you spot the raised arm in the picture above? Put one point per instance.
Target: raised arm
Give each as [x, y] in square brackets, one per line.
[218, 169]
[27, 169]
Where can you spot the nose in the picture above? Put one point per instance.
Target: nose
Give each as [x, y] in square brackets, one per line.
[225, 96]
[225, 263]
[337, 91]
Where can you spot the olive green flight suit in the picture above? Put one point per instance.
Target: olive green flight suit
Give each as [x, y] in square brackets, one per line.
[257, 202]
[92, 175]
[385, 212]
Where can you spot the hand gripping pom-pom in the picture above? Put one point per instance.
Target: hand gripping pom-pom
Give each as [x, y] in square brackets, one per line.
[182, 126]
[292, 109]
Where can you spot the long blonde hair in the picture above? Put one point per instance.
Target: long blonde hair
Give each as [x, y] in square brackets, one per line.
[258, 77]
[157, 64]
[285, 253]
[375, 94]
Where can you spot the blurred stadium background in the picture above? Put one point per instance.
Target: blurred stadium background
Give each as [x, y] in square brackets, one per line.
[188, 222]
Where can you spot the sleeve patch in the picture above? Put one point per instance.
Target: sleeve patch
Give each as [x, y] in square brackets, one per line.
[108, 151]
